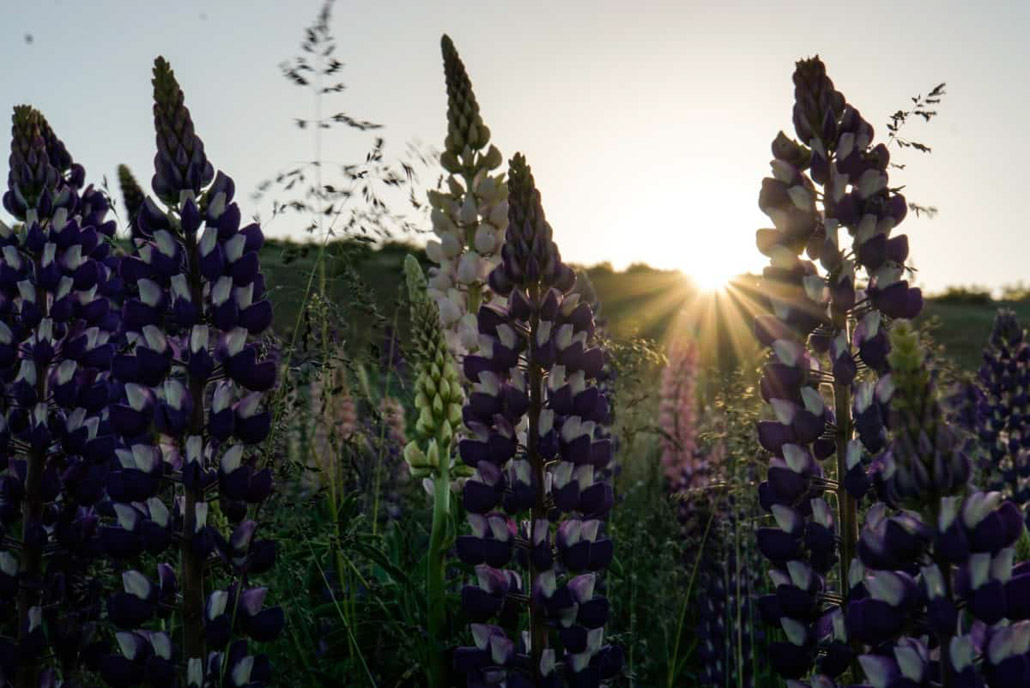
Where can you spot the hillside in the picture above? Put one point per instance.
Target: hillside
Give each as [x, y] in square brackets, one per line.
[638, 302]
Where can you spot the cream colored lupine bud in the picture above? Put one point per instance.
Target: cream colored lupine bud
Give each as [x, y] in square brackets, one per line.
[450, 245]
[485, 240]
[499, 215]
[436, 199]
[434, 251]
[440, 281]
[468, 332]
[469, 212]
[450, 313]
[493, 158]
[443, 223]
[486, 187]
[455, 141]
[468, 268]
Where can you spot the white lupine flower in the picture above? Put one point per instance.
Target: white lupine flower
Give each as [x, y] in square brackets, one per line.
[434, 251]
[450, 245]
[468, 331]
[468, 268]
[450, 312]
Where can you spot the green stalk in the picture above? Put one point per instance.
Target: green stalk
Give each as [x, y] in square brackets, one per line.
[435, 575]
[382, 428]
[846, 504]
[674, 662]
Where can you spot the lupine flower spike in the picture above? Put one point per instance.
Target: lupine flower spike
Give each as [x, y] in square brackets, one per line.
[936, 597]
[438, 401]
[827, 333]
[470, 216]
[536, 504]
[1002, 415]
[56, 273]
[678, 417]
[192, 381]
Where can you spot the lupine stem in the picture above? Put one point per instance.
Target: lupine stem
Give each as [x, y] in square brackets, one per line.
[437, 565]
[193, 565]
[32, 514]
[846, 504]
[538, 631]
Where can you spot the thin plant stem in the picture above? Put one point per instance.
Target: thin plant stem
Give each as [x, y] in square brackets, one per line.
[538, 629]
[674, 662]
[343, 617]
[382, 426]
[437, 607]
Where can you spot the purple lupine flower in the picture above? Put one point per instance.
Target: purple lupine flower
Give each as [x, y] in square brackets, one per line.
[678, 410]
[56, 272]
[1001, 421]
[682, 463]
[935, 595]
[727, 574]
[190, 408]
[606, 380]
[724, 650]
[535, 503]
[827, 330]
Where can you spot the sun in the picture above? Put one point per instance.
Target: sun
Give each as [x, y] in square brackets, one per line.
[711, 276]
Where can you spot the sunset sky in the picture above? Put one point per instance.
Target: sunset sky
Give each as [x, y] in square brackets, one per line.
[647, 123]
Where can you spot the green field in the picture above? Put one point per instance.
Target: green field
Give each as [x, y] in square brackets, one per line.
[637, 302]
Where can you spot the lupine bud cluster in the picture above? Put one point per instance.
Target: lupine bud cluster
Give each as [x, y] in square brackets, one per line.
[470, 216]
[1005, 408]
[935, 595]
[56, 331]
[133, 196]
[535, 504]
[925, 458]
[438, 392]
[827, 331]
[189, 409]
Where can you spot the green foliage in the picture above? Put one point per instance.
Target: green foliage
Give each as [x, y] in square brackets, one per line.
[973, 295]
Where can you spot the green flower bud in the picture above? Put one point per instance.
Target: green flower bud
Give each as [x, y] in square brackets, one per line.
[433, 455]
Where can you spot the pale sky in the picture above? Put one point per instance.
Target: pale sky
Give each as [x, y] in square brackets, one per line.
[647, 123]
